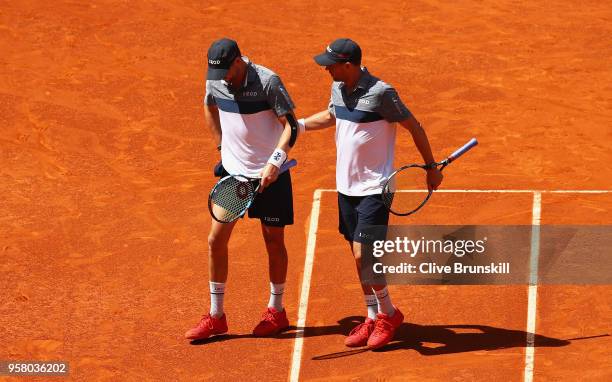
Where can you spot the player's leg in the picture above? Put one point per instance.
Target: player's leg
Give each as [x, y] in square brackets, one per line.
[214, 322]
[372, 212]
[368, 292]
[218, 240]
[277, 264]
[371, 291]
[359, 334]
[274, 237]
[377, 291]
[347, 224]
[274, 208]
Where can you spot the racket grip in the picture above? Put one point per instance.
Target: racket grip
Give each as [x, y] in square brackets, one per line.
[287, 165]
[465, 148]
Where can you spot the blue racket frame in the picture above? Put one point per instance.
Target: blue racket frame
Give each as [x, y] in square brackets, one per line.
[387, 195]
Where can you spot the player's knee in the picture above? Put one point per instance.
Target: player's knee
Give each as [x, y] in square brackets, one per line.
[276, 247]
[272, 233]
[275, 244]
[216, 242]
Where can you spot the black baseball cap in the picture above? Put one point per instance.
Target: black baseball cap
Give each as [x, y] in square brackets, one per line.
[221, 54]
[341, 50]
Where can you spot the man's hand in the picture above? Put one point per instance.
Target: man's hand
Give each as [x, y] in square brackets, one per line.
[434, 178]
[268, 176]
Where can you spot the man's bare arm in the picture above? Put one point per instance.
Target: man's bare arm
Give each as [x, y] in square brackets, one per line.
[211, 116]
[434, 176]
[270, 172]
[419, 137]
[320, 120]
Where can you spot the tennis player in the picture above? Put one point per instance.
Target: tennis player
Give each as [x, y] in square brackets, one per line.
[364, 109]
[250, 116]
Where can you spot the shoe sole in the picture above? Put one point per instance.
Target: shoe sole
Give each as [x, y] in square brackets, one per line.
[355, 345]
[278, 331]
[204, 338]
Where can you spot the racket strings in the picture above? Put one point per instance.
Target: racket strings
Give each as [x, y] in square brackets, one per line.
[406, 190]
[232, 197]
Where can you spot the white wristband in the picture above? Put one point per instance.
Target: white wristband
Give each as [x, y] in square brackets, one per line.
[302, 124]
[278, 157]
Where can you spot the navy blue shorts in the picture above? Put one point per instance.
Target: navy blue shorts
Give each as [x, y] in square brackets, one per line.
[274, 206]
[356, 213]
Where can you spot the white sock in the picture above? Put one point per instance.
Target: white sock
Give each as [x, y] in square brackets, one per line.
[217, 292]
[372, 305]
[384, 302]
[276, 296]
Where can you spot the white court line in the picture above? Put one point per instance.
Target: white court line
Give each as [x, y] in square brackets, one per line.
[509, 191]
[533, 288]
[532, 300]
[296, 360]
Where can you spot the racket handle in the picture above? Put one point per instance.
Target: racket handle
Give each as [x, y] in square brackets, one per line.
[465, 148]
[287, 165]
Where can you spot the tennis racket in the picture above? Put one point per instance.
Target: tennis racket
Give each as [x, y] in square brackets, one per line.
[232, 196]
[399, 195]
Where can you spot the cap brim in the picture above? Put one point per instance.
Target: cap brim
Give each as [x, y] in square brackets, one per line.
[215, 74]
[324, 59]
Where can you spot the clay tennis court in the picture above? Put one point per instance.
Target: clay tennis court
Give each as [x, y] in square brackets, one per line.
[105, 167]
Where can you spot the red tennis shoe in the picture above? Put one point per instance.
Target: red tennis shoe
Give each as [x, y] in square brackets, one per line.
[384, 329]
[360, 334]
[208, 326]
[272, 322]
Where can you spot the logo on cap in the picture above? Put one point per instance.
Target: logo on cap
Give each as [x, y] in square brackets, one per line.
[339, 55]
[220, 56]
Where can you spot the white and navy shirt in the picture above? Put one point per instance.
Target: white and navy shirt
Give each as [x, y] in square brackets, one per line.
[250, 128]
[365, 134]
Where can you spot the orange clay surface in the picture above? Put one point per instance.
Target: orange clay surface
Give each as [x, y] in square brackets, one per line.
[105, 166]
